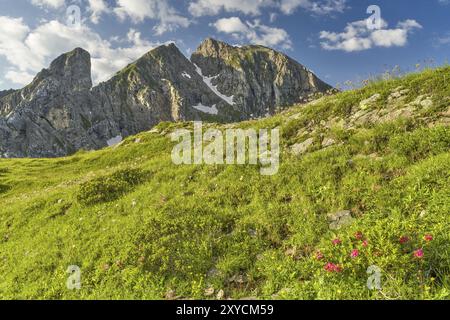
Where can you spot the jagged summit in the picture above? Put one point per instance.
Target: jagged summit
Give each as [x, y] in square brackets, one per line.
[74, 67]
[211, 43]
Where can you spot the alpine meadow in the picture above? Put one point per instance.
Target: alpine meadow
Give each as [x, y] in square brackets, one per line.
[225, 158]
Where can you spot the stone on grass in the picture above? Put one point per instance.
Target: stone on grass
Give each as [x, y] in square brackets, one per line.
[340, 219]
[301, 148]
[367, 103]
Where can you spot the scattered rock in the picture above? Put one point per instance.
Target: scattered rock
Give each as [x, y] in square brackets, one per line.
[291, 252]
[238, 278]
[427, 103]
[397, 94]
[220, 294]
[209, 292]
[422, 213]
[170, 295]
[365, 104]
[327, 142]
[406, 112]
[340, 219]
[365, 117]
[301, 148]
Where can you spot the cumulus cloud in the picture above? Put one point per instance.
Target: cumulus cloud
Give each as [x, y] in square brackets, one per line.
[317, 7]
[97, 8]
[254, 32]
[213, 7]
[357, 36]
[254, 7]
[29, 50]
[139, 10]
[19, 77]
[49, 3]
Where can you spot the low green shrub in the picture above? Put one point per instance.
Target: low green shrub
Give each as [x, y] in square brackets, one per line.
[110, 187]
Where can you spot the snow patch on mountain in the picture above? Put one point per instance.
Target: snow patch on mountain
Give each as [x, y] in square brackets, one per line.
[206, 109]
[208, 82]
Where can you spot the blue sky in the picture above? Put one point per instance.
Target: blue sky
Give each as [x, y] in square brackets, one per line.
[331, 37]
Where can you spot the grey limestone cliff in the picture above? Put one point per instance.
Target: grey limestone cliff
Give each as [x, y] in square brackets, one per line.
[60, 112]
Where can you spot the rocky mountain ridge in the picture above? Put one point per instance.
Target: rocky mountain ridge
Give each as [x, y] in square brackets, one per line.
[60, 111]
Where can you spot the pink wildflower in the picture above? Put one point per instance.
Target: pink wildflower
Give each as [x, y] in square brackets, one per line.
[319, 255]
[359, 235]
[355, 253]
[331, 267]
[365, 243]
[336, 241]
[418, 253]
[428, 237]
[404, 239]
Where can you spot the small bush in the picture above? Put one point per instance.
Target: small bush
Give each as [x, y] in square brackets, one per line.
[422, 143]
[4, 188]
[110, 187]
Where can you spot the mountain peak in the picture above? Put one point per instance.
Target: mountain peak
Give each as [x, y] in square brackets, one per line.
[73, 67]
[70, 58]
[165, 48]
[210, 45]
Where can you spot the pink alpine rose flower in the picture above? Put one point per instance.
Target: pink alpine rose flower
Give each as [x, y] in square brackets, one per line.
[319, 255]
[404, 239]
[428, 237]
[359, 235]
[331, 267]
[419, 253]
[354, 253]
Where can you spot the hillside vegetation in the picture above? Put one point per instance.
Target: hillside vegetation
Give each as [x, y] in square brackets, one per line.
[140, 227]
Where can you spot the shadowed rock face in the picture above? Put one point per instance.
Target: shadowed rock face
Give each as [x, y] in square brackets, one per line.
[42, 119]
[60, 112]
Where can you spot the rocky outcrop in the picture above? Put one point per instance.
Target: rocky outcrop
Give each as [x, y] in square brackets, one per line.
[60, 112]
[41, 120]
[258, 79]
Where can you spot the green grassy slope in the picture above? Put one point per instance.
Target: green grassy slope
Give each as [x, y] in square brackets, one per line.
[141, 227]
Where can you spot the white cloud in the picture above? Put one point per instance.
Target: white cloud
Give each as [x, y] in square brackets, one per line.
[317, 7]
[254, 32]
[232, 25]
[213, 7]
[139, 10]
[441, 40]
[19, 77]
[390, 38]
[253, 7]
[357, 37]
[29, 50]
[97, 8]
[12, 46]
[49, 3]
